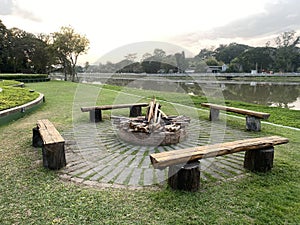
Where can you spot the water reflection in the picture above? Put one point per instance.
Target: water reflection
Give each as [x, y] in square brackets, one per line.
[286, 96]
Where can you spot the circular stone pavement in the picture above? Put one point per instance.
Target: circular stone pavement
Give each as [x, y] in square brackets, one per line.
[96, 156]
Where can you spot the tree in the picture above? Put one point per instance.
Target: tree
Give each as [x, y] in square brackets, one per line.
[287, 39]
[146, 56]
[67, 46]
[151, 66]
[131, 57]
[27, 53]
[226, 53]
[86, 66]
[260, 58]
[181, 62]
[287, 54]
[206, 53]
[212, 62]
[159, 54]
[4, 48]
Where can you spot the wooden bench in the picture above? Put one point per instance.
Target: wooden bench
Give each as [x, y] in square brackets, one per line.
[46, 136]
[184, 173]
[253, 118]
[96, 114]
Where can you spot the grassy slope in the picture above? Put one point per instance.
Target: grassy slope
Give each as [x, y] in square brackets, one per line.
[33, 195]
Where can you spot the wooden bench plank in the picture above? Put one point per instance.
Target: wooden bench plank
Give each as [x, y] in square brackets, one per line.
[108, 107]
[260, 115]
[165, 159]
[46, 136]
[48, 132]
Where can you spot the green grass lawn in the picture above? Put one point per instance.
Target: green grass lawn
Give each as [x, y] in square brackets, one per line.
[31, 194]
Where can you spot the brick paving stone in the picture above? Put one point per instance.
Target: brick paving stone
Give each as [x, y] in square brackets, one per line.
[231, 169]
[87, 173]
[146, 163]
[135, 177]
[124, 175]
[161, 176]
[238, 165]
[70, 168]
[135, 162]
[126, 160]
[101, 173]
[95, 171]
[81, 170]
[112, 174]
[148, 176]
[96, 155]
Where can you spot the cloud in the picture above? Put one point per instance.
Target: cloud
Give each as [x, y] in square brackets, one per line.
[6, 7]
[10, 7]
[26, 14]
[277, 17]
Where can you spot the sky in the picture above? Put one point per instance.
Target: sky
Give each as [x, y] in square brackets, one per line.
[116, 28]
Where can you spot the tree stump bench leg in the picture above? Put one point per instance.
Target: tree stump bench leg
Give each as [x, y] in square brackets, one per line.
[135, 111]
[54, 156]
[214, 114]
[253, 123]
[36, 138]
[186, 178]
[95, 115]
[259, 160]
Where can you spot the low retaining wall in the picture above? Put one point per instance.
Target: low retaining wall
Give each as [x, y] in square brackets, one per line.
[17, 112]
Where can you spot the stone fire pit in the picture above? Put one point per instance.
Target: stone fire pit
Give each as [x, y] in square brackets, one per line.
[156, 128]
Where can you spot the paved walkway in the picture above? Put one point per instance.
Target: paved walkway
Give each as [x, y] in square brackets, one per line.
[96, 156]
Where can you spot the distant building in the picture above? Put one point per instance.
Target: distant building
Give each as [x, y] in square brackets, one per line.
[190, 71]
[253, 72]
[216, 69]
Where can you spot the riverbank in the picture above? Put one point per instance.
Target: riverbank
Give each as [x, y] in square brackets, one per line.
[31, 194]
[279, 115]
[269, 90]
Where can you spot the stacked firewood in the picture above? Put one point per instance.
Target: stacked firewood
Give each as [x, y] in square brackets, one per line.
[155, 120]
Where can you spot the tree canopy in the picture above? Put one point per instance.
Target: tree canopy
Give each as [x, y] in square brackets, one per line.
[24, 52]
[67, 45]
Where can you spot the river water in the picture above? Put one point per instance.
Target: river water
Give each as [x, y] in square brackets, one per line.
[285, 95]
[281, 94]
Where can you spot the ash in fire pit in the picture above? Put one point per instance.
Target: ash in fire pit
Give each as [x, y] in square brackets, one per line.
[156, 128]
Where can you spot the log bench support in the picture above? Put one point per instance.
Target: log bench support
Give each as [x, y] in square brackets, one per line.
[253, 123]
[260, 160]
[184, 172]
[214, 114]
[46, 136]
[185, 178]
[95, 115]
[135, 111]
[96, 111]
[253, 118]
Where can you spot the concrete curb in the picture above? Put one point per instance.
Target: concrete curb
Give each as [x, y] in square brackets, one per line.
[22, 108]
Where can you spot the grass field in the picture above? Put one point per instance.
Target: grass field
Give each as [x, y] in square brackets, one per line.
[31, 194]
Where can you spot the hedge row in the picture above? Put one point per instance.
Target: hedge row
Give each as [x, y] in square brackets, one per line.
[25, 77]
